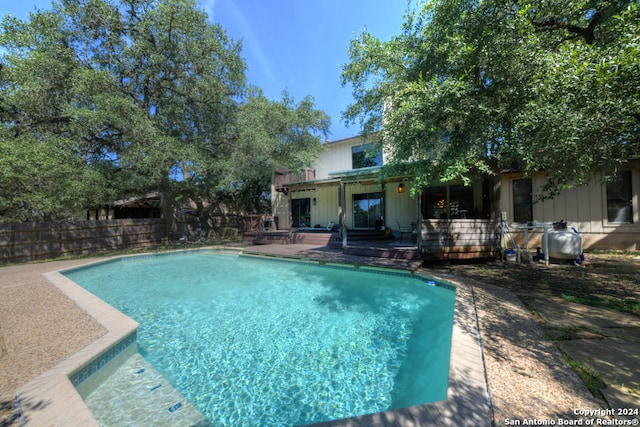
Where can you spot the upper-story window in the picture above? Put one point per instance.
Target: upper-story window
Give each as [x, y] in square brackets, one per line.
[365, 155]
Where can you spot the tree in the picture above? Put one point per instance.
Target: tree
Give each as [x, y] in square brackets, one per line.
[472, 86]
[138, 96]
[274, 135]
[131, 89]
[268, 135]
[32, 170]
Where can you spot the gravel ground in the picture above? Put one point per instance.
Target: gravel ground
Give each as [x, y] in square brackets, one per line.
[39, 327]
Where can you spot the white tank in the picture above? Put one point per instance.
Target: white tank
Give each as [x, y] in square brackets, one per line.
[564, 244]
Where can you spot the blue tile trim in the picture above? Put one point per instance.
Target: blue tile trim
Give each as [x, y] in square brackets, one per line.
[96, 364]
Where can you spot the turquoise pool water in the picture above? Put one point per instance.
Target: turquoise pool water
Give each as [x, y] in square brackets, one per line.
[250, 341]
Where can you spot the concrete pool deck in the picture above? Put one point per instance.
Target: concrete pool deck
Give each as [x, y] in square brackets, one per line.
[42, 329]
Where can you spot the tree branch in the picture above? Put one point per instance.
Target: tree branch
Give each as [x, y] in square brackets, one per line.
[586, 32]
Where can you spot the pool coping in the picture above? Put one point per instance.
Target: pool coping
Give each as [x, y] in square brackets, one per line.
[51, 398]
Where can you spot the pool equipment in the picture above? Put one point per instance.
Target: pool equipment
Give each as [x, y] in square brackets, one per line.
[565, 244]
[511, 253]
[557, 242]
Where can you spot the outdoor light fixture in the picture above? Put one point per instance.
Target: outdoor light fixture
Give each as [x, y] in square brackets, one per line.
[400, 188]
[314, 201]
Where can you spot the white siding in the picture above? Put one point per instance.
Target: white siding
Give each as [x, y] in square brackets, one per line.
[336, 157]
[400, 207]
[326, 208]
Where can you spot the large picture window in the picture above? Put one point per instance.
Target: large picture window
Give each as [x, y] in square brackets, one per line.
[448, 202]
[364, 156]
[620, 199]
[522, 200]
[367, 210]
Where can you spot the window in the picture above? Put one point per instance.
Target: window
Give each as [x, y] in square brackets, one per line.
[434, 202]
[460, 201]
[619, 199]
[365, 155]
[522, 200]
[367, 210]
[301, 213]
[448, 201]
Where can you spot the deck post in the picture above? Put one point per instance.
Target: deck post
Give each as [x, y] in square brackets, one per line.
[342, 214]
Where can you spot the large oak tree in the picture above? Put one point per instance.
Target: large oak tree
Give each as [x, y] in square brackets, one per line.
[133, 96]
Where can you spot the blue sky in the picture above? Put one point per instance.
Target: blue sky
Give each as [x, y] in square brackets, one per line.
[298, 45]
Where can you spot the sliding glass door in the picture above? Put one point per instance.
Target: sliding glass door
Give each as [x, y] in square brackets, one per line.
[301, 213]
[367, 209]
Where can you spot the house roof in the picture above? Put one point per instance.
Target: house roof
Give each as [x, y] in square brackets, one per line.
[359, 173]
[146, 200]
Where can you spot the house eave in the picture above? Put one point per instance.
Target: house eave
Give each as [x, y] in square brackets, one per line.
[313, 182]
[369, 172]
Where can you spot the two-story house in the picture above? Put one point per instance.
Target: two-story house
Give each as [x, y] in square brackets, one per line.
[450, 220]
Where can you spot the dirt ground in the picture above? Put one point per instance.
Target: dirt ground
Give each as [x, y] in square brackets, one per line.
[606, 280]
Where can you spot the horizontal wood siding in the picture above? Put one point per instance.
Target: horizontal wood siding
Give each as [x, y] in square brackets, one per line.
[29, 241]
[584, 208]
[459, 238]
[326, 208]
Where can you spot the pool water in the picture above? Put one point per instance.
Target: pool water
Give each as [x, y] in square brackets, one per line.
[252, 341]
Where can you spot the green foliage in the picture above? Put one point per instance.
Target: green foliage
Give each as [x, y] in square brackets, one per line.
[590, 378]
[32, 170]
[473, 86]
[133, 93]
[270, 135]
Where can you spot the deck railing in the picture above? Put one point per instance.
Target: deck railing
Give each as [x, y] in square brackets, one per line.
[459, 238]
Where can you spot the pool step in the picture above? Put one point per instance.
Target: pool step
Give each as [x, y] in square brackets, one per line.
[137, 394]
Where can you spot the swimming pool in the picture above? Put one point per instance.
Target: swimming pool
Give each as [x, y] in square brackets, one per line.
[262, 342]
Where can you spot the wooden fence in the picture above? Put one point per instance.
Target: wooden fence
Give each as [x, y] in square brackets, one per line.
[29, 241]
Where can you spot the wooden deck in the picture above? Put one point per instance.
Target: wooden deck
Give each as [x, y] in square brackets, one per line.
[373, 248]
[439, 240]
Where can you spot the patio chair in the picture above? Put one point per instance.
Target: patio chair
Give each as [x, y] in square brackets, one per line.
[404, 229]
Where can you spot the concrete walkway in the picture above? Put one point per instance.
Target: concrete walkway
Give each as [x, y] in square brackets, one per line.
[607, 342]
[39, 327]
